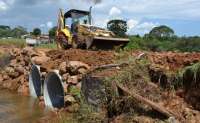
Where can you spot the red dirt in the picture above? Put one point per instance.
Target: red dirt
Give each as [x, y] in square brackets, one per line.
[92, 58]
[168, 60]
[173, 61]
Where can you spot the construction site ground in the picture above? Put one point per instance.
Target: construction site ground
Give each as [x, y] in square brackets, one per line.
[172, 99]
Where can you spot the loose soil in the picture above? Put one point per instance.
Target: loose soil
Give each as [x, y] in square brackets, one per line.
[92, 58]
[170, 61]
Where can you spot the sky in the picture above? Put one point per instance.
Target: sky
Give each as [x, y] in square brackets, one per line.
[141, 15]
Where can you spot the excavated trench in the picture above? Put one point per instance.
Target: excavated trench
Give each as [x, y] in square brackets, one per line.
[57, 90]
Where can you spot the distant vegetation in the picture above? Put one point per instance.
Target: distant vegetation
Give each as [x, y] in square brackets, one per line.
[13, 42]
[163, 38]
[36, 32]
[118, 27]
[17, 32]
[52, 32]
[48, 46]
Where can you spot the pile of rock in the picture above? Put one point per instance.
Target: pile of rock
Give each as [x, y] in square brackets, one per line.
[15, 75]
[72, 73]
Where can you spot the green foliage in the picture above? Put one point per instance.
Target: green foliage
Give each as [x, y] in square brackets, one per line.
[188, 44]
[136, 71]
[47, 46]
[181, 44]
[119, 27]
[52, 32]
[17, 32]
[75, 91]
[135, 43]
[5, 31]
[5, 27]
[15, 42]
[162, 38]
[36, 32]
[162, 32]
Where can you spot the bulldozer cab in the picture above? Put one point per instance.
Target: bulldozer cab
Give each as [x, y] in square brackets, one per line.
[76, 17]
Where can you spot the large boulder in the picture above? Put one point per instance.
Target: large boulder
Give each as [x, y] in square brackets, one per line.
[63, 67]
[74, 67]
[72, 80]
[28, 51]
[65, 77]
[20, 69]
[40, 59]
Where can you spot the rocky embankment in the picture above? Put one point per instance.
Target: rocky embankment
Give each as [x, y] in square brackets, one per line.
[163, 70]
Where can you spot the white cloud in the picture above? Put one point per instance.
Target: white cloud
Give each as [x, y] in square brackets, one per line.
[114, 11]
[101, 22]
[3, 5]
[147, 26]
[49, 24]
[144, 27]
[132, 23]
[10, 2]
[168, 9]
[42, 25]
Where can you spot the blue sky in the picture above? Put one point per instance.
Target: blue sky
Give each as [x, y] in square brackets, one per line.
[142, 15]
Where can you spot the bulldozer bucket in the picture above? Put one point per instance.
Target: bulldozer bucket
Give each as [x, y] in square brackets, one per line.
[107, 43]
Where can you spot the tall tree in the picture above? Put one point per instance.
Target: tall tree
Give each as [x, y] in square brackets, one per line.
[4, 27]
[18, 32]
[36, 32]
[162, 32]
[119, 27]
[5, 31]
[52, 32]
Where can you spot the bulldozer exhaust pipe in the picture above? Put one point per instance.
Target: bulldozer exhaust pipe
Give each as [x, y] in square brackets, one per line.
[53, 90]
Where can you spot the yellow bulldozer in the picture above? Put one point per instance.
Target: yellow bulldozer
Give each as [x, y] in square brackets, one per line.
[74, 30]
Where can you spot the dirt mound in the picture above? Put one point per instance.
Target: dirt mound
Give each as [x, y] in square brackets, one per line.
[92, 58]
[173, 61]
[74, 63]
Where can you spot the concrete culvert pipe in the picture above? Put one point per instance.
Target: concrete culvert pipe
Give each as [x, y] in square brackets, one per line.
[53, 90]
[35, 84]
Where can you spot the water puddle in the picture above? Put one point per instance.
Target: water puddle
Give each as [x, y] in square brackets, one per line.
[19, 109]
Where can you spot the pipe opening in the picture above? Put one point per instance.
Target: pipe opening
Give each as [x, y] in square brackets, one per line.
[53, 91]
[35, 81]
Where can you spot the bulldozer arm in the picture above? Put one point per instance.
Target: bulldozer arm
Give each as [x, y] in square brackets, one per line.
[63, 34]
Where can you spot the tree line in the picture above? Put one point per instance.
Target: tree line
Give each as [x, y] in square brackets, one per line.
[19, 31]
[161, 38]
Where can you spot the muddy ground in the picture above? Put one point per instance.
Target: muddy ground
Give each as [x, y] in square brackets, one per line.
[16, 64]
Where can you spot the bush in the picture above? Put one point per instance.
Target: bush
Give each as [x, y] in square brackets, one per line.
[182, 44]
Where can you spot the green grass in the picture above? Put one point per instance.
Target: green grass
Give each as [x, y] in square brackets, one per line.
[47, 46]
[13, 42]
[21, 43]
